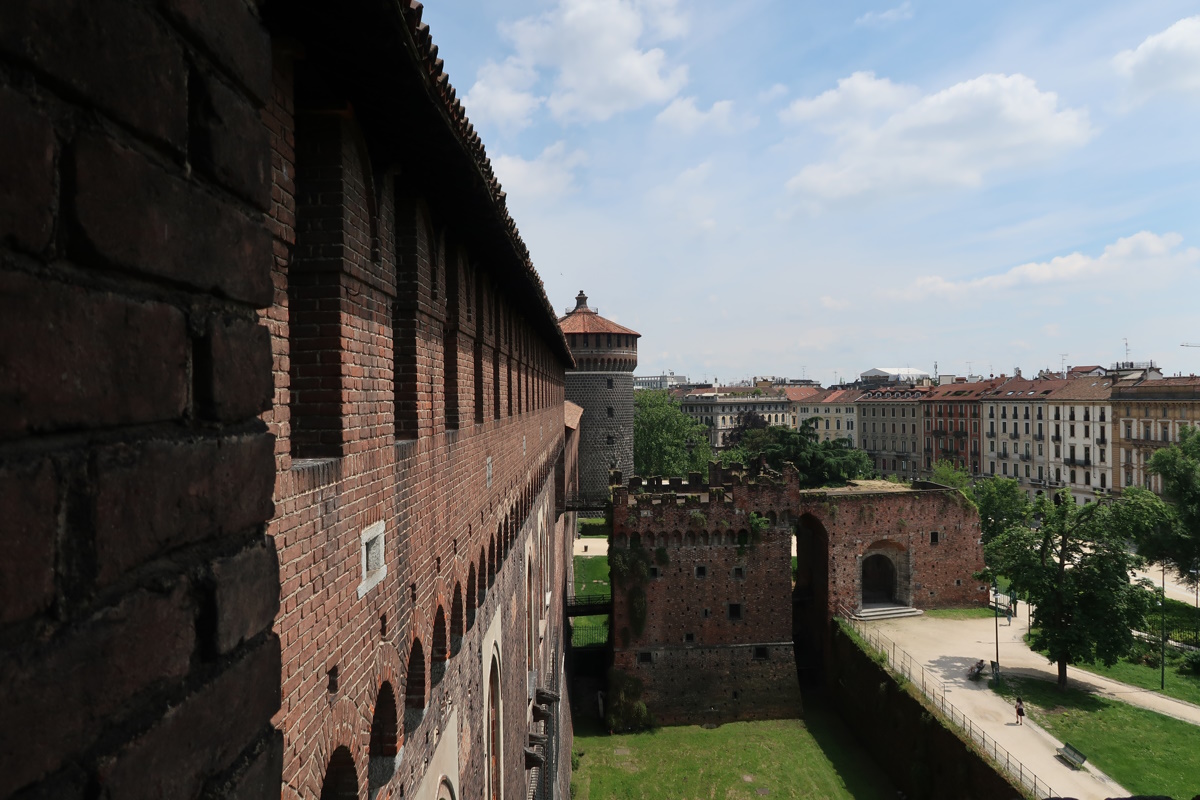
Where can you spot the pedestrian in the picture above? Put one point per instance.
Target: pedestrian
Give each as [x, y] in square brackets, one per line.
[1020, 711]
[1008, 611]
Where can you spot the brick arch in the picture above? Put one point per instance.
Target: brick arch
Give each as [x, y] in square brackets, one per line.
[472, 598]
[676, 539]
[414, 688]
[384, 740]
[339, 730]
[896, 557]
[491, 562]
[440, 651]
[340, 781]
[457, 620]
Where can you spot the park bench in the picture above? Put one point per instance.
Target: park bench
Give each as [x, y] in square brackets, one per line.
[1071, 755]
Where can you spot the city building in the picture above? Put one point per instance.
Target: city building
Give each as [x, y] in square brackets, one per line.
[601, 383]
[830, 412]
[1016, 432]
[721, 407]
[889, 428]
[893, 375]
[951, 424]
[668, 381]
[1080, 453]
[1148, 415]
[800, 403]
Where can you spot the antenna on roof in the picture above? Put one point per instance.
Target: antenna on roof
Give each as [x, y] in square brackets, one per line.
[1062, 367]
[1126, 340]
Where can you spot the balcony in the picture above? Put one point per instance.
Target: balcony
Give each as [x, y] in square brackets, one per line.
[1087, 461]
[928, 448]
[1056, 438]
[990, 434]
[1025, 457]
[1014, 435]
[939, 432]
[1003, 455]
[1071, 462]
[1039, 437]
[1102, 441]
[960, 434]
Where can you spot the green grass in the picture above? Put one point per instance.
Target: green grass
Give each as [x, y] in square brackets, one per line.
[1180, 685]
[593, 528]
[591, 574]
[1145, 752]
[808, 758]
[960, 613]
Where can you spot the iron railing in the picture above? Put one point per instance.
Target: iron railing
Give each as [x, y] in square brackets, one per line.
[935, 690]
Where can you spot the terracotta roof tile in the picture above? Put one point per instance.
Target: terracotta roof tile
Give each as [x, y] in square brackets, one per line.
[589, 321]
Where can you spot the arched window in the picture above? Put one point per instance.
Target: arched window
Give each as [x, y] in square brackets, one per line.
[441, 648]
[341, 778]
[472, 598]
[414, 688]
[494, 756]
[384, 741]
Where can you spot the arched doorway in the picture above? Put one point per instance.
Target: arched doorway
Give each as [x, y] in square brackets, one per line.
[810, 596]
[878, 580]
[341, 778]
[494, 759]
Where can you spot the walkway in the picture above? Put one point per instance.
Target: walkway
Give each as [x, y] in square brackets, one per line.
[590, 546]
[948, 648]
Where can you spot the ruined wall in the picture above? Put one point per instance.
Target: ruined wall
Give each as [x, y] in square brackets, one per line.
[703, 550]
[137, 587]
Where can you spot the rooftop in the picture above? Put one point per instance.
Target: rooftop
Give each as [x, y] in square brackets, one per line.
[583, 319]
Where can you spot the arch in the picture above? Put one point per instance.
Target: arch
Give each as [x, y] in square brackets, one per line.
[414, 688]
[879, 579]
[472, 597]
[494, 757]
[491, 563]
[441, 648]
[341, 777]
[456, 620]
[689, 539]
[385, 740]
[676, 539]
[530, 616]
[619, 540]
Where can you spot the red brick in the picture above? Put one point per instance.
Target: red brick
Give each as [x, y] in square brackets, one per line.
[137, 215]
[229, 30]
[230, 142]
[27, 164]
[199, 736]
[56, 697]
[247, 594]
[239, 361]
[71, 358]
[77, 42]
[201, 489]
[29, 497]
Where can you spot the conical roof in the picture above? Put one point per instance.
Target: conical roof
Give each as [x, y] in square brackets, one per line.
[583, 319]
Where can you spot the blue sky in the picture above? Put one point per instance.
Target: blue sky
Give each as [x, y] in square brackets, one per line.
[795, 188]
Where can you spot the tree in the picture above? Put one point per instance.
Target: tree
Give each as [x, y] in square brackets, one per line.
[820, 463]
[747, 421]
[1002, 503]
[946, 474]
[666, 441]
[1178, 545]
[1071, 562]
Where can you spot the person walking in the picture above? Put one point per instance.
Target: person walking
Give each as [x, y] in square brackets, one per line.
[1008, 612]
[1020, 711]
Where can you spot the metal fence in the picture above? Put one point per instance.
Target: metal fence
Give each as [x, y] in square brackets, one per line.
[589, 635]
[902, 663]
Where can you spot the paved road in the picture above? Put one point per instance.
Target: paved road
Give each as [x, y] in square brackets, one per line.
[947, 648]
[1176, 589]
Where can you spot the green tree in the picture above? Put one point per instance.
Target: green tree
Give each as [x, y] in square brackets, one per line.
[666, 441]
[1072, 563]
[946, 474]
[820, 463]
[1178, 545]
[1002, 503]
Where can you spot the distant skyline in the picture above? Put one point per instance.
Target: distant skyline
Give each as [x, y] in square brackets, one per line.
[812, 190]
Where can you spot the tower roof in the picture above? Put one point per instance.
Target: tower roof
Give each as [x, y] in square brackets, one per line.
[583, 319]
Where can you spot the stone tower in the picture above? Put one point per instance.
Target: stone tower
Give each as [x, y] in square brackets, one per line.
[602, 383]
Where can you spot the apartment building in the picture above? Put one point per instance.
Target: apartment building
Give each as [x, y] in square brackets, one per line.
[721, 407]
[1014, 419]
[1148, 415]
[1080, 453]
[830, 412]
[951, 424]
[888, 427]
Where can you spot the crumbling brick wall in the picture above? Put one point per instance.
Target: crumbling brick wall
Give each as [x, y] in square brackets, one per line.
[138, 587]
[728, 541]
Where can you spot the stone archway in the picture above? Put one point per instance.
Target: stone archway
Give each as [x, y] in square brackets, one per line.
[878, 579]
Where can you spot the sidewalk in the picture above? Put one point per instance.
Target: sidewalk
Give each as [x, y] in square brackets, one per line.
[948, 648]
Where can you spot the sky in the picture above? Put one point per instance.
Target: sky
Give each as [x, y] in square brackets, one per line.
[812, 189]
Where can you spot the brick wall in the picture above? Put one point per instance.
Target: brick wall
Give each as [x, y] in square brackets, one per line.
[418, 392]
[138, 588]
[706, 555]
[606, 442]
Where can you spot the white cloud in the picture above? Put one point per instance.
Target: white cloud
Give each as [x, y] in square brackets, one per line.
[833, 304]
[682, 116]
[502, 94]
[776, 91]
[1139, 254]
[550, 175]
[950, 138]
[590, 55]
[1167, 61]
[898, 14]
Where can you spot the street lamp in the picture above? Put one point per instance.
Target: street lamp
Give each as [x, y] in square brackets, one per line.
[996, 617]
[1196, 595]
[1162, 601]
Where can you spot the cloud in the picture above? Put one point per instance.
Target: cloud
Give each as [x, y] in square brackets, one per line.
[1165, 62]
[589, 58]
[550, 175]
[683, 117]
[776, 91]
[690, 199]
[1138, 254]
[892, 15]
[834, 304]
[889, 138]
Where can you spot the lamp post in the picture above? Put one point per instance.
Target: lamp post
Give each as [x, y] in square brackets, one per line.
[996, 617]
[1196, 595]
[1162, 681]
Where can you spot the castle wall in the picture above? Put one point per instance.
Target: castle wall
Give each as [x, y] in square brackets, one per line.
[697, 660]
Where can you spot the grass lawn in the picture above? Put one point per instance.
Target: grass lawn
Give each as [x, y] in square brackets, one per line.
[1147, 753]
[591, 574]
[974, 612]
[792, 758]
[1180, 685]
